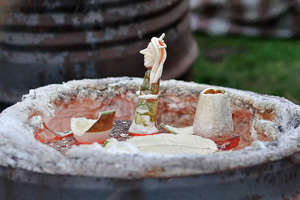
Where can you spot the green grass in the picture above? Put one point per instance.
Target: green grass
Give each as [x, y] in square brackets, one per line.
[267, 66]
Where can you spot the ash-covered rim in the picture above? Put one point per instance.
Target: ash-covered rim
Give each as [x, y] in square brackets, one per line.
[19, 149]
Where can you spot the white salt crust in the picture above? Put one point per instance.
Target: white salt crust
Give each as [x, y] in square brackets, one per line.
[19, 149]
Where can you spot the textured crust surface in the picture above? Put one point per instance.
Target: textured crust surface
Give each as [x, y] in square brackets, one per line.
[278, 117]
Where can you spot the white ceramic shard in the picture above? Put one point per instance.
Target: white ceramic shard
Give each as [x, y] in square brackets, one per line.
[114, 146]
[184, 130]
[213, 117]
[80, 126]
[88, 138]
[93, 130]
[174, 144]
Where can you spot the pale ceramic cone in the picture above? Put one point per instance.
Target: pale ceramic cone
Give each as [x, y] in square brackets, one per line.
[213, 117]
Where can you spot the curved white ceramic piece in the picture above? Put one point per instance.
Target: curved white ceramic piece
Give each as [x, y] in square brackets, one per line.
[174, 144]
[80, 126]
[92, 130]
[213, 117]
[188, 130]
[90, 137]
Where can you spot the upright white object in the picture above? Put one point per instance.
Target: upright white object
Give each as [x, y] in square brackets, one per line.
[213, 117]
[144, 121]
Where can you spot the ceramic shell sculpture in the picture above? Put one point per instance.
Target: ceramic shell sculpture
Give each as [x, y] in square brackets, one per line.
[144, 121]
[213, 117]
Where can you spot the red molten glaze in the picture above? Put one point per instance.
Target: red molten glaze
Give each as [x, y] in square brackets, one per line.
[43, 138]
[228, 144]
[80, 143]
[137, 134]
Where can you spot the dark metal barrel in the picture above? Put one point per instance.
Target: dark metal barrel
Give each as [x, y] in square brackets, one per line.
[52, 41]
[268, 181]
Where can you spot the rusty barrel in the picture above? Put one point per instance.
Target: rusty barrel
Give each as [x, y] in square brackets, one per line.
[52, 41]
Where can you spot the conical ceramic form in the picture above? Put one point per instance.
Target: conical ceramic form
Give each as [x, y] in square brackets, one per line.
[213, 117]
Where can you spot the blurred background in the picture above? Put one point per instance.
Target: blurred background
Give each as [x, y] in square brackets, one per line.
[244, 44]
[249, 44]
